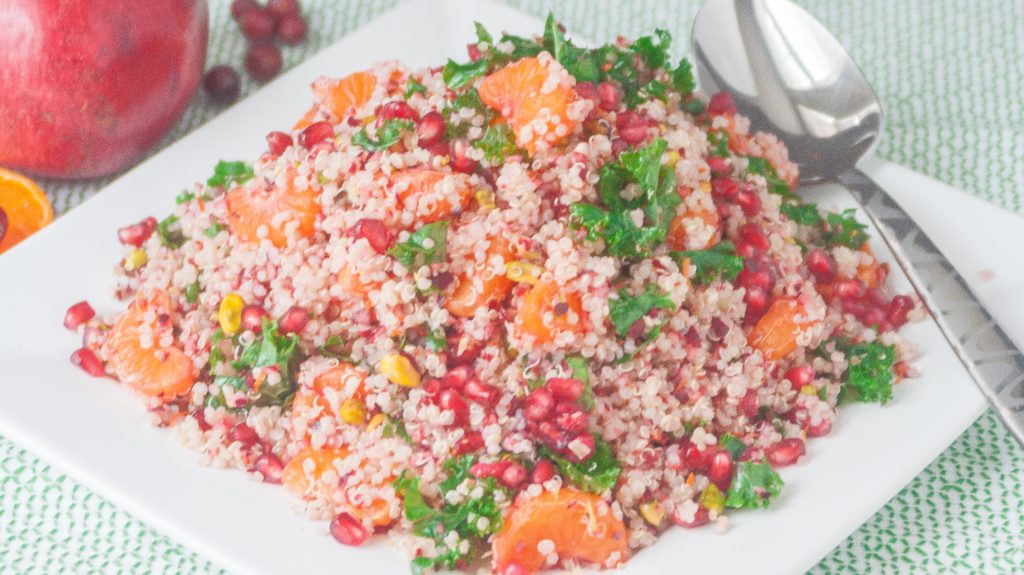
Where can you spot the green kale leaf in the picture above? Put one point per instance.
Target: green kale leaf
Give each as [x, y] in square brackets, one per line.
[626, 310]
[717, 262]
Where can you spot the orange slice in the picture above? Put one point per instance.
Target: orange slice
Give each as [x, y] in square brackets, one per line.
[344, 96]
[539, 316]
[476, 289]
[25, 206]
[581, 526]
[276, 208]
[776, 332]
[432, 195]
[136, 355]
[304, 475]
[529, 94]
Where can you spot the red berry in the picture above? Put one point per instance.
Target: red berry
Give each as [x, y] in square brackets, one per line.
[294, 320]
[263, 61]
[485, 395]
[631, 127]
[748, 200]
[721, 103]
[137, 234]
[257, 24]
[374, 232]
[252, 317]
[849, 289]
[757, 302]
[86, 359]
[78, 314]
[431, 128]
[513, 476]
[278, 142]
[786, 452]
[752, 235]
[461, 162]
[697, 459]
[800, 376]
[565, 388]
[720, 470]
[457, 376]
[471, 442]
[396, 109]
[821, 265]
[315, 133]
[538, 404]
[725, 188]
[270, 467]
[292, 29]
[222, 84]
[348, 531]
[450, 400]
[542, 471]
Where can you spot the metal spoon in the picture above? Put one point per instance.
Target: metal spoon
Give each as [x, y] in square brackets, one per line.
[790, 76]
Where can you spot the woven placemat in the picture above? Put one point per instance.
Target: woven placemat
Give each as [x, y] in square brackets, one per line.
[950, 77]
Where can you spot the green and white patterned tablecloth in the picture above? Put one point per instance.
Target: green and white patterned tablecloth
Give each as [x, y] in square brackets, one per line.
[950, 74]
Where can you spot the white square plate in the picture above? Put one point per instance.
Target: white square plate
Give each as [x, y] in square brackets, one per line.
[93, 430]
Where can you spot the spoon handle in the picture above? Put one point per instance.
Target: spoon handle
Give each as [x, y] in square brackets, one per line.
[988, 353]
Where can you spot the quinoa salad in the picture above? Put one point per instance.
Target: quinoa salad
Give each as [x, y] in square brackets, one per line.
[518, 312]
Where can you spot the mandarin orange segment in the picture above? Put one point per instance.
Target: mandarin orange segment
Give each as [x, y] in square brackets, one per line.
[302, 474]
[347, 95]
[308, 118]
[278, 209]
[871, 274]
[533, 97]
[478, 288]
[433, 195]
[581, 526]
[136, 355]
[545, 311]
[25, 206]
[776, 332]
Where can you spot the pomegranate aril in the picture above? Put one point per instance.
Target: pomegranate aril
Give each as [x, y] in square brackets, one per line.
[315, 133]
[471, 442]
[513, 476]
[551, 435]
[222, 84]
[239, 7]
[86, 359]
[294, 320]
[899, 307]
[450, 400]
[430, 129]
[488, 469]
[348, 531]
[270, 467]
[609, 96]
[757, 302]
[539, 404]
[725, 188]
[278, 142]
[566, 388]
[719, 166]
[292, 29]
[876, 297]
[720, 470]
[252, 317]
[263, 61]
[396, 110]
[483, 394]
[137, 234]
[282, 8]
[474, 53]
[848, 289]
[821, 265]
[752, 235]
[631, 127]
[750, 278]
[699, 518]
[820, 429]
[800, 376]
[721, 103]
[572, 422]
[458, 376]
[243, 434]
[697, 459]
[580, 448]
[542, 471]
[78, 314]
[749, 404]
[786, 452]
[586, 90]
[748, 200]
[461, 162]
[874, 317]
[257, 24]
[375, 232]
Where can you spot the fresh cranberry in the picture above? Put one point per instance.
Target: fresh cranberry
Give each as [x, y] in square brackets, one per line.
[137, 234]
[294, 320]
[899, 307]
[786, 452]
[513, 476]
[821, 265]
[461, 162]
[719, 166]
[242, 433]
[270, 467]
[78, 314]
[86, 359]
[721, 103]
[699, 518]
[222, 84]
[374, 232]
[348, 531]
[539, 404]
[315, 133]
[257, 24]
[580, 448]
[431, 128]
[800, 376]
[396, 109]
[481, 393]
[263, 61]
[720, 470]
[471, 442]
[566, 388]
[450, 400]
[631, 127]
[252, 317]
[609, 96]
[542, 471]
[278, 142]
[748, 405]
[752, 235]
[282, 8]
[292, 29]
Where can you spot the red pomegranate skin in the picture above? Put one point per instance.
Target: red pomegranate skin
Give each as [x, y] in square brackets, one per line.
[89, 86]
